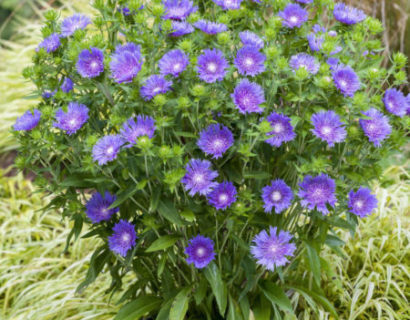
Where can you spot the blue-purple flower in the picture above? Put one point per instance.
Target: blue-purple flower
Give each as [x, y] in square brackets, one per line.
[315, 41]
[178, 9]
[304, 1]
[173, 62]
[304, 60]
[210, 27]
[215, 140]
[282, 129]
[200, 251]
[73, 23]
[199, 177]
[51, 43]
[180, 28]
[106, 149]
[97, 208]
[293, 16]
[154, 85]
[123, 238]
[73, 119]
[395, 102]
[376, 127]
[126, 62]
[333, 63]
[248, 96]
[249, 38]
[228, 4]
[212, 66]
[28, 121]
[222, 196]
[132, 130]
[328, 127]
[249, 61]
[347, 14]
[67, 85]
[346, 80]
[277, 195]
[362, 202]
[47, 94]
[90, 63]
[317, 192]
[272, 250]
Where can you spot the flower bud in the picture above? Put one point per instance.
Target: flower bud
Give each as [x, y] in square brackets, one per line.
[223, 38]
[199, 90]
[399, 60]
[159, 100]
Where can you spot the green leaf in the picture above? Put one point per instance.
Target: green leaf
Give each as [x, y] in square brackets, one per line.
[137, 308]
[234, 312]
[200, 292]
[162, 243]
[167, 209]
[180, 305]
[188, 215]
[314, 262]
[124, 195]
[276, 296]
[155, 200]
[163, 313]
[262, 309]
[213, 275]
[257, 175]
[185, 134]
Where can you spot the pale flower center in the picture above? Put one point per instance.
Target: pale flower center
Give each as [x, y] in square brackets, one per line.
[198, 178]
[94, 65]
[110, 150]
[293, 19]
[277, 128]
[371, 127]
[276, 196]
[343, 83]
[125, 237]
[211, 67]
[248, 62]
[326, 130]
[218, 143]
[273, 248]
[223, 197]
[200, 252]
[317, 192]
[359, 204]
[177, 67]
[156, 89]
[73, 122]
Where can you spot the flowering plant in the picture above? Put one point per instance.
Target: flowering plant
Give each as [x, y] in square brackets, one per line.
[215, 147]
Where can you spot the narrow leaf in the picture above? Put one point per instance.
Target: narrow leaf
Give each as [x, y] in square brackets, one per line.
[180, 305]
[162, 243]
[277, 296]
[213, 275]
[314, 262]
[137, 308]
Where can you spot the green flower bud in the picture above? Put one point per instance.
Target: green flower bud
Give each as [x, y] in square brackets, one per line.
[272, 52]
[51, 15]
[375, 99]
[91, 140]
[223, 18]
[186, 45]
[374, 25]
[36, 134]
[159, 100]
[183, 102]
[275, 22]
[140, 18]
[265, 127]
[358, 36]
[177, 151]
[98, 22]
[270, 33]
[158, 10]
[28, 72]
[167, 26]
[165, 152]
[400, 76]
[301, 74]
[353, 131]
[20, 162]
[199, 90]
[144, 143]
[282, 63]
[399, 60]
[324, 82]
[223, 38]
[47, 112]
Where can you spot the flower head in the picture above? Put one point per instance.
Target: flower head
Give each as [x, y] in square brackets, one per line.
[215, 140]
[222, 196]
[346, 80]
[47, 94]
[51, 43]
[347, 14]
[304, 60]
[90, 63]
[73, 119]
[210, 27]
[97, 208]
[180, 28]
[178, 9]
[29, 120]
[199, 177]
[228, 4]
[123, 238]
[304, 1]
[317, 192]
[328, 127]
[272, 250]
[126, 62]
[132, 130]
[67, 85]
[173, 62]
[247, 97]
[395, 102]
[107, 148]
[377, 127]
[282, 129]
[249, 38]
[249, 61]
[212, 66]
[362, 202]
[154, 85]
[73, 23]
[200, 251]
[293, 16]
[278, 195]
[315, 41]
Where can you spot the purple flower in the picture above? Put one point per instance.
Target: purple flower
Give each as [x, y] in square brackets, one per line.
[107, 148]
[408, 105]
[247, 96]
[395, 102]
[346, 80]
[126, 62]
[304, 1]
[123, 238]
[272, 250]
[215, 140]
[336, 51]
[90, 64]
[48, 94]
[332, 33]
[210, 27]
[228, 4]
[212, 66]
[333, 63]
[293, 16]
[362, 203]
[29, 120]
[131, 130]
[249, 61]
[173, 62]
[315, 41]
[155, 84]
[97, 208]
[73, 23]
[328, 127]
[199, 177]
[222, 196]
[249, 38]
[73, 119]
[67, 85]
[200, 251]
[282, 129]
[304, 60]
[278, 194]
[377, 127]
[51, 43]
[317, 192]
[347, 14]
[178, 9]
[181, 28]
